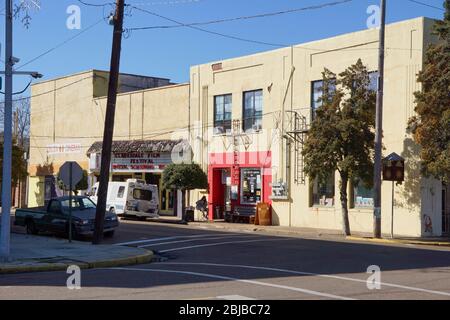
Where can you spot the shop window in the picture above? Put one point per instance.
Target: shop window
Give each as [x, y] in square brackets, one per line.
[251, 186]
[317, 93]
[363, 197]
[324, 192]
[222, 113]
[253, 110]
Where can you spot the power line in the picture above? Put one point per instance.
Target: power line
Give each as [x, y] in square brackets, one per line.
[263, 15]
[426, 5]
[60, 44]
[208, 31]
[96, 5]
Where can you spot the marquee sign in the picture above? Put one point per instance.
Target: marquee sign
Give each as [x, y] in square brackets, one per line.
[140, 161]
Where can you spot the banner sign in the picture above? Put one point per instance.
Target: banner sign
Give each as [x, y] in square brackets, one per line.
[64, 148]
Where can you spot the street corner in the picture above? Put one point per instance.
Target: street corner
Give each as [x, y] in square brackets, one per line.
[39, 254]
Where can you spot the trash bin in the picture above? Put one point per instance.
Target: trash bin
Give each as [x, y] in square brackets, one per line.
[189, 214]
[264, 214]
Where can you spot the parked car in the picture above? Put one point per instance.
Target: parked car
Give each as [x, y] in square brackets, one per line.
[55, 217]
[131, 198]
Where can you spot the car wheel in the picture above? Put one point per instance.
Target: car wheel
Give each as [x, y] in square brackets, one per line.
[109, 234]
[31, 227]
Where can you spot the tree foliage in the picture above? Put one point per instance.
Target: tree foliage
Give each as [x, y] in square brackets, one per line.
[19, 165]
[184, 177]
[342, 133]
[431, 125]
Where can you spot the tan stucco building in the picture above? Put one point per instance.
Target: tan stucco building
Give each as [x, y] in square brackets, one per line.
[241, 118]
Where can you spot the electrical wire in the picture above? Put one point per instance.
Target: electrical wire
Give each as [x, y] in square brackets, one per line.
[60, 44]
[426, 5]
[263, 15]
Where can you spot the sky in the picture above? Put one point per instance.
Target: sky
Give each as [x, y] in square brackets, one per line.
[168, 53]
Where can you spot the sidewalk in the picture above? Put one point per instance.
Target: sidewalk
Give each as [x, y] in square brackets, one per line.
[320, 233]
[34, 253]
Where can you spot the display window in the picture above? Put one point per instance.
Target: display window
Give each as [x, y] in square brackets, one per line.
[251, 186]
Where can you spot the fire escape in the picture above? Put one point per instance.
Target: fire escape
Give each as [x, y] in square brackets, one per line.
[297, 134]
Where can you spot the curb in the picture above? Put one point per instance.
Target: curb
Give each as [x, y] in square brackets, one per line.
[140, 259]
[400, 241]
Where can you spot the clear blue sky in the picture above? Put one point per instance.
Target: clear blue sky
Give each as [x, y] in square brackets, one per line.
[169, 52]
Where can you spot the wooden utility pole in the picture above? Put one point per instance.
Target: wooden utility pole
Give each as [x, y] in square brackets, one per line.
[109, 123]
[379, 128]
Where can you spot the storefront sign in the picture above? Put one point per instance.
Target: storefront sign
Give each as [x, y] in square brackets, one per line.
[140, 162]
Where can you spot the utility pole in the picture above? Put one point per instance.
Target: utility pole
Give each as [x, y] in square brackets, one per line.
[7, 134]
[109, 122]
[379, 127]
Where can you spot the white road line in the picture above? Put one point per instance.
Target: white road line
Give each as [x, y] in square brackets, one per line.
[259, 283]
[200, 239]
[221, 243]
[311, 274]
[163, 239]
[234, 297]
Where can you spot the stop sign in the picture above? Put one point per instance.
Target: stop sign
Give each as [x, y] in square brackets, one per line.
[68, 168]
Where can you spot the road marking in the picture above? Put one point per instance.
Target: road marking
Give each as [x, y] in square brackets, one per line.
[189, 240]
[259, 283]
[221, 243]
[163, 239]
[234, 297]
[311, 274]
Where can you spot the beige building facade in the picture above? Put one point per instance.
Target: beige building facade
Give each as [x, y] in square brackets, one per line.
[244, 120]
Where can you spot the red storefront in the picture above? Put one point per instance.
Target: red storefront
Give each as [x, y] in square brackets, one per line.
[238, 180]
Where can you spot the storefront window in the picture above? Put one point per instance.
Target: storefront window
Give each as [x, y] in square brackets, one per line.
[323, 193]
[251, 190]
[363, 196]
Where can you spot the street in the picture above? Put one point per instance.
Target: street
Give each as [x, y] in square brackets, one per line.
[204, 264]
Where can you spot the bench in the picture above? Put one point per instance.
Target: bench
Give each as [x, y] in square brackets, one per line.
[242, 214]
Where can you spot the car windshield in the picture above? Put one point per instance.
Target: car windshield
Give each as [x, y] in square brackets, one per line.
[78, 204]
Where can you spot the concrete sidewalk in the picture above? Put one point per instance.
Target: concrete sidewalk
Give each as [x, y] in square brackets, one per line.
[35, 253]
[319, 233]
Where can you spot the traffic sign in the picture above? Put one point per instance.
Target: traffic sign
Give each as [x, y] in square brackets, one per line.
[68, 168]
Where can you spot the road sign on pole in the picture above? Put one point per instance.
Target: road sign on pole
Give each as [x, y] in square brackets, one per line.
[70, 174]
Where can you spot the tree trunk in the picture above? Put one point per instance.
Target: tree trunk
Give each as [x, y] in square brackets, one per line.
[344, 204]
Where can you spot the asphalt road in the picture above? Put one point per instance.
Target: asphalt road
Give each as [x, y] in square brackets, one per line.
[201, 264]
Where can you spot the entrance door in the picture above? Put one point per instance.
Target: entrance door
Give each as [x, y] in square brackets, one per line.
[445, 210]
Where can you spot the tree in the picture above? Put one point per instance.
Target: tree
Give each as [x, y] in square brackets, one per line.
[21, 120]
[184, 177]
[431, 125]
[342, 136]
[19, 165]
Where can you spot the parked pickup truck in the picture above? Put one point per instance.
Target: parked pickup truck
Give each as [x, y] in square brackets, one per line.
[55, 217]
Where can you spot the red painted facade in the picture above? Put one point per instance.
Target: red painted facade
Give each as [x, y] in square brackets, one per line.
[227, 161]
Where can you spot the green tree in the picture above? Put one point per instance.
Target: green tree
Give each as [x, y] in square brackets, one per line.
[184, 177]
[342, 136]
[19, 165]
[431, 125]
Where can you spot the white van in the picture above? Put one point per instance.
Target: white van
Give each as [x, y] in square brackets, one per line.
[131, 198]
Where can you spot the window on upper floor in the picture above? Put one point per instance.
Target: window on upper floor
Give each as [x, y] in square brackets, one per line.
[222, 113]
[316, 95]
[253, 110]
